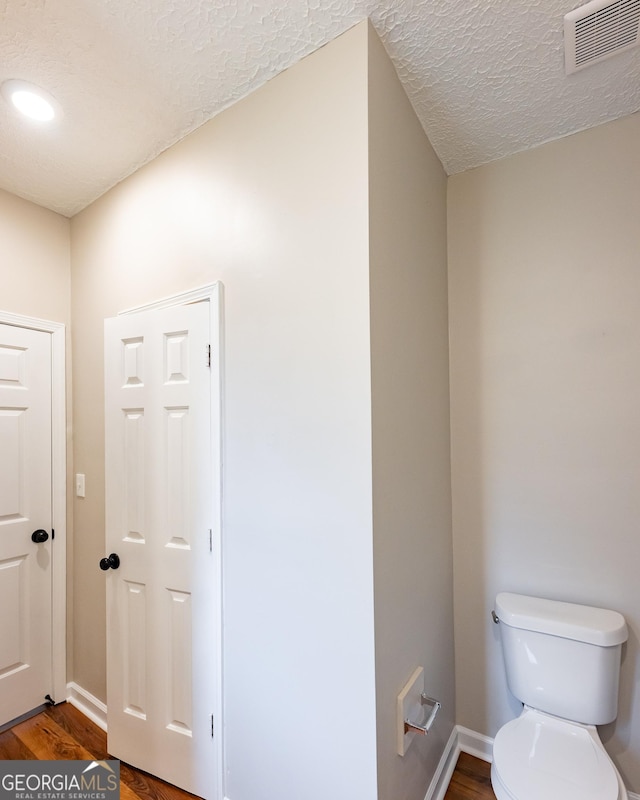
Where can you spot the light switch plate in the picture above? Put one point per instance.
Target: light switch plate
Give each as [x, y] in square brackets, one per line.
[409, 701]
[79, 485]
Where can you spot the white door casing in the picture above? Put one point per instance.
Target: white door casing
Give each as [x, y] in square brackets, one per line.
[57, 335]
[25, 506]
[163, 675]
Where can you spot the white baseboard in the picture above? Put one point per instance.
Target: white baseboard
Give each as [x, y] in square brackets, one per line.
[89, 705]
[445, 768]
[476, 744]
[462, 740]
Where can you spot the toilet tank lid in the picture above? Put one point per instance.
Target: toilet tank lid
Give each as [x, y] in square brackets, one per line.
[597, 626]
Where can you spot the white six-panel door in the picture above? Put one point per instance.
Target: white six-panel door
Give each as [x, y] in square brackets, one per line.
[25, 506]
[161, 638]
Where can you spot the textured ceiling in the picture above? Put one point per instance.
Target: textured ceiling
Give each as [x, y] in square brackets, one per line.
[486, 77]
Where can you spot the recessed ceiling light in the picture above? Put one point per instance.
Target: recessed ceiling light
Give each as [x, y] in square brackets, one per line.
[31, 100]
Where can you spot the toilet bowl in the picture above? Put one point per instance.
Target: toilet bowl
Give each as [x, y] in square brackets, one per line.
[562, 661]
[541, 757]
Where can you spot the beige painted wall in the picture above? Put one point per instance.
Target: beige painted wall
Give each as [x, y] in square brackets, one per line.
[545, 378]
[34, 259]
[270, 197]
[410, 401]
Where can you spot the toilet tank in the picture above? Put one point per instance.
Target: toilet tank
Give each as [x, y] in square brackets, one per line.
[562, 658]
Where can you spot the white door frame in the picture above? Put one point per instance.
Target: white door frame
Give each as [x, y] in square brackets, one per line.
[58, 494]
[213, 293]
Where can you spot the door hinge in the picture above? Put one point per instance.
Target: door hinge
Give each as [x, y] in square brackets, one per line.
[210, 540]
[212, 726]
[207, 355]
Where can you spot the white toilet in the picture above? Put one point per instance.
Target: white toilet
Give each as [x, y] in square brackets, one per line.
[563, 662]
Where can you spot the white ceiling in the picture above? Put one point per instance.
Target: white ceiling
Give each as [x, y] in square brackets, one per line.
[486, 77]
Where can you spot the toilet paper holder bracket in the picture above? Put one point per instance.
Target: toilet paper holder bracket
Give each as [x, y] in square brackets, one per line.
[430, 709]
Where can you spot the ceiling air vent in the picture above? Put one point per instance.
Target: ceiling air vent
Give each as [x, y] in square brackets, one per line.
[599, 30]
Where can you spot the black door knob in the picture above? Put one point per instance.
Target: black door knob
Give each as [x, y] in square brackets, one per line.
[111, 562]
[39, 536]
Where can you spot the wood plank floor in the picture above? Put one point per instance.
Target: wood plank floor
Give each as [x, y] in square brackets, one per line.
[471, 780]
[62, 732]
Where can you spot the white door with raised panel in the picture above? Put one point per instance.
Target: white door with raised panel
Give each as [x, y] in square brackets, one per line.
[25, 520]
[159, 567]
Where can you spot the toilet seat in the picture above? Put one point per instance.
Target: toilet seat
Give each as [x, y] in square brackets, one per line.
[538, 756]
